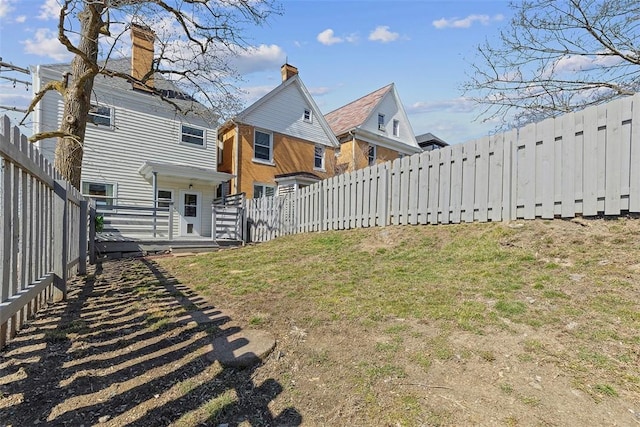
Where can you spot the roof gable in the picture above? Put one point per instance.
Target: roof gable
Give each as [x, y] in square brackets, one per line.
[357, 112]
[281, 110]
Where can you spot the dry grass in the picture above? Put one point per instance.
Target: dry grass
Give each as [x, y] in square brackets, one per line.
[448, 325]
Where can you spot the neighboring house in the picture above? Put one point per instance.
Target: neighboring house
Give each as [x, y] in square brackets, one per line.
[279, 144]
[372, 129]
[428, 141]
[137, 147]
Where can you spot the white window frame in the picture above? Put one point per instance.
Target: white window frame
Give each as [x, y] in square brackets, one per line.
[396, 127]
[381, 122]
[108, 199]
[319, 152]
[307, 115]
[268, 161]
[162, 202]
[184, 134]
[372, 154]
[264, 188]
[92, 115]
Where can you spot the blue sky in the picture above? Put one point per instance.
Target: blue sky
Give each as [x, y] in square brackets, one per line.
[343, 50]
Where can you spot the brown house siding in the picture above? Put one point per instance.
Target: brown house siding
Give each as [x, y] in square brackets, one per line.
[289, 155]
[358, 158]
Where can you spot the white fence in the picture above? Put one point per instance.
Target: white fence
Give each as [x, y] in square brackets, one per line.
[43, 231]
[584, 163]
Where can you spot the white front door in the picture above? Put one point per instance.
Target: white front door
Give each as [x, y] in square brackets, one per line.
[190, 202]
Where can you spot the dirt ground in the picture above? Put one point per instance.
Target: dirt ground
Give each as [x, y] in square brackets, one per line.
[123, 351]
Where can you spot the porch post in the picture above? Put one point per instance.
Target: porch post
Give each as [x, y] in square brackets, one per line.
[155, 202]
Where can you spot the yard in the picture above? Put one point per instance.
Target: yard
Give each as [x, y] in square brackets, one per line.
[528, 323]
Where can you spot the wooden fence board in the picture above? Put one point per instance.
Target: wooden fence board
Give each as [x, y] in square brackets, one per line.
[468, 181]
[482, 180]
[434, 180]
[413, 194]
[456, 184]
[568, 169]
[612, 159]
[496, 153]
[423, 179]
[634, 161]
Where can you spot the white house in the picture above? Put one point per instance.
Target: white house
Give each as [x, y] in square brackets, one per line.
[137, 147]
[372, 129]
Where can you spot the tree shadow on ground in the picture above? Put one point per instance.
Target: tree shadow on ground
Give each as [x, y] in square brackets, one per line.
[129, 348]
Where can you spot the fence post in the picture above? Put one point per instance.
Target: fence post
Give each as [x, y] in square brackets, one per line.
[92, 232]
[213, 223]
[60, 243]
[170, 221]
[82, 253]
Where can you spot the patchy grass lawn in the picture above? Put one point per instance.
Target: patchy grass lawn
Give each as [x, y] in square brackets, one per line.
[527, 323]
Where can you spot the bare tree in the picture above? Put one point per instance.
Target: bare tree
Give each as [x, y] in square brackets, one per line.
[196, 40]
[557, 56]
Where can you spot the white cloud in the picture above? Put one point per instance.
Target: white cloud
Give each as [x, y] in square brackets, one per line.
[466, 22]
[21, 19]
[258, 58]
[5, 7]
[50, 9]
[252, 93]
[457, 105]
[45, 43]
[576, 63]
[382, 34]
[328, 38]
[319, 91]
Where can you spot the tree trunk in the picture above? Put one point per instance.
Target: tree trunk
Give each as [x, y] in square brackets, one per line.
[77, 96]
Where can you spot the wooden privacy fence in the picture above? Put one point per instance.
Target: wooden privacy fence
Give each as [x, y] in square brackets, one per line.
[583, 163]
[43, 231]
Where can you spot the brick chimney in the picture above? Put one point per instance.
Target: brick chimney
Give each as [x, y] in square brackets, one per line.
[141, 54]
[288, 71]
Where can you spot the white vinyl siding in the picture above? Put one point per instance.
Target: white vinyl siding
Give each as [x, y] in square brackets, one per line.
[283, 114]
[144, 132]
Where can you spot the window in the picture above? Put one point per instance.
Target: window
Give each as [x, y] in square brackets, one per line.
[100, 115]
[262, 190]
[380, 121]
[165, 197]
[318, 158]
[307, 115]
[372, 155]
[396, 128]
[262, 147]
[102, 193]
[191, 135]
[190, 206]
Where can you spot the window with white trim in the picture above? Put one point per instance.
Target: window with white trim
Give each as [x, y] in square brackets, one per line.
[307, 115]
[263, 146]
[371, 155]
[318, 157]
[381, 122]
[263, 190]
[100, 115]
[164, 197]
[396, 127]
[101, 192]
[192, 135]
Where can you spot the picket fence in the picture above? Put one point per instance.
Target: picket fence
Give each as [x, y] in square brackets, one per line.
[583, 163]
[44, 232]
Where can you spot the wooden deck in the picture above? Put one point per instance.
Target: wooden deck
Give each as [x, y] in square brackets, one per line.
[112, 245]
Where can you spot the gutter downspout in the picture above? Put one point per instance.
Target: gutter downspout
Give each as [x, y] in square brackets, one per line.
[352, 132]
[154, 184]
[236, 154]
